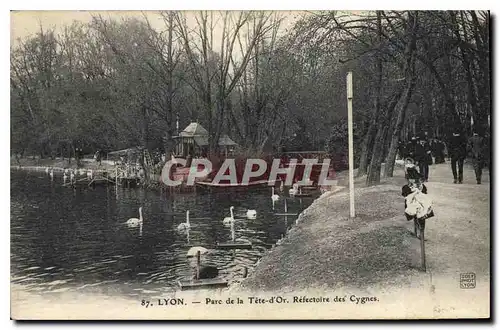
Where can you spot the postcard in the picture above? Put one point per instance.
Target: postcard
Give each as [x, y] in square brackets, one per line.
[250, 165]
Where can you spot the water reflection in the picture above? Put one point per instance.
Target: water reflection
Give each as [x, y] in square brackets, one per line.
[76, 238]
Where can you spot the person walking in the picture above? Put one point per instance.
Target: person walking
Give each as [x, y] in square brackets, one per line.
[487, 152]
[457, 150]
[476, 148]
[78, 156]
[401, 150]
[423, 157]
[411, 148]
[438, 151]
[97, 157]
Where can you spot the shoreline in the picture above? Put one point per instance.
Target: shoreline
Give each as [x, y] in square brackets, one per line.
[58, 164]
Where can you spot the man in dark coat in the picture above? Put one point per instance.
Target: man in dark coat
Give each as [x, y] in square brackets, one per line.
[410, 148]
[476, 148]
[78, 156]
[457, 150]
[438, 151]
[423, 157]
[401, 149]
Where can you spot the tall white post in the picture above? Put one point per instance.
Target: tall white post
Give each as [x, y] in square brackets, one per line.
[116, 181]
[351, 150]
[232, 231]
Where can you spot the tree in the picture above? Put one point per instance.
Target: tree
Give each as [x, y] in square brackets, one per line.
[215, 75]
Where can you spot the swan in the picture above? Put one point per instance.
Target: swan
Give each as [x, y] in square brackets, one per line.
[251, 214]
[194, 250]
[134, 222]
[229, 220]
[280, 241]
[185, 225]
[294, 190]
[274, 196]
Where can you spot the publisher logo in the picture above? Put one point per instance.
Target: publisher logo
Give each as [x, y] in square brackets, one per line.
[467, 281]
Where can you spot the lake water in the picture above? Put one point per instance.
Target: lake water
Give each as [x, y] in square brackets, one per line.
[65, 239]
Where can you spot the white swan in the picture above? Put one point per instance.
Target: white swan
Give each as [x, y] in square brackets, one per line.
[134, 222]
[294, 190]
[274, 196]
[229, 220]
[251, 214]
[194, 250]
[185, 225]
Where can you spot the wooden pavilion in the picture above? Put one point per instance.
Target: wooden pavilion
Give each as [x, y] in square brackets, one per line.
[193, 141]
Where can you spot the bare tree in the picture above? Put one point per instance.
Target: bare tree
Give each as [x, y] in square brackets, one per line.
[410, 81]
[216, 74]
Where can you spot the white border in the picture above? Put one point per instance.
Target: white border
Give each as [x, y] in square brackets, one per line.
[190, 5]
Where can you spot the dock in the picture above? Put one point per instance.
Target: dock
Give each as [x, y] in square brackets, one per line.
[238, 186]
[242, 245]
[302, 195]
[202, 284]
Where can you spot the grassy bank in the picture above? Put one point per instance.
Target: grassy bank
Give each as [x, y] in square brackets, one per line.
[327, 249]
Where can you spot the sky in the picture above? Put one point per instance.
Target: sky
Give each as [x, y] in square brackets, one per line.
[25, 23]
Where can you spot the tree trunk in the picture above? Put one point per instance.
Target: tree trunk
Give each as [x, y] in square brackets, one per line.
[169, 142]
[374, 168]
[367, 145]
[466, 63]
[217, 128]
[410, 81]
[483, 79]
[376, 161]
[449, 103]
[381, 140]
[145, 144]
